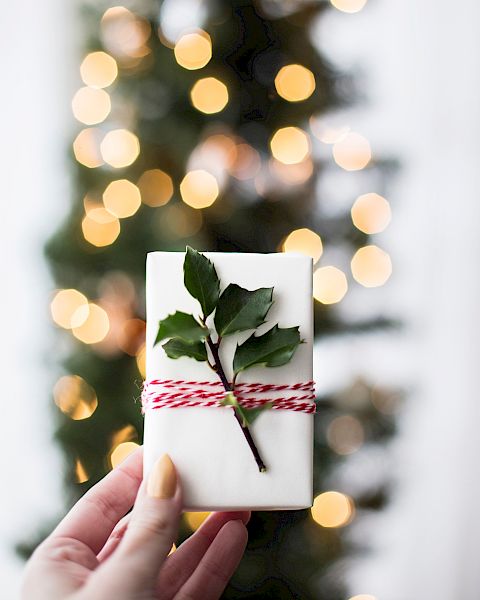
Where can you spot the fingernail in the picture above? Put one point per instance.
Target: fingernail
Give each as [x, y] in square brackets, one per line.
[162, 480]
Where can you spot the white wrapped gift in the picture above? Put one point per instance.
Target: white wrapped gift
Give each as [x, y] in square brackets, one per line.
[214, 461]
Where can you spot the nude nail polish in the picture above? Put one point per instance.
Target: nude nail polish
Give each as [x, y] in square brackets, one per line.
[162, 480]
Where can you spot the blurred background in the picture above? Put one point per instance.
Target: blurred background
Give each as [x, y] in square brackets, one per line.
[345, 129]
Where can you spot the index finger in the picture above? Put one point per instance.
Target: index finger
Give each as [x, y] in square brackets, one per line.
[94, 516]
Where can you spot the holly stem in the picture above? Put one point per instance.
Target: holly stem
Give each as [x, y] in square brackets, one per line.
[218, 368]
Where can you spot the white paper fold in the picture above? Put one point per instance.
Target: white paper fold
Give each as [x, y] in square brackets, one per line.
[215, 464]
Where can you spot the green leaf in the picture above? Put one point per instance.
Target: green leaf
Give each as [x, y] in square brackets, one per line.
[176, 347]
[181, 325]
[272, 349]
[239, 309]
[249, 415]
[201, 280]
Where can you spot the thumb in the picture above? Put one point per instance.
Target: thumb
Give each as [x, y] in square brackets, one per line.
[152, 530]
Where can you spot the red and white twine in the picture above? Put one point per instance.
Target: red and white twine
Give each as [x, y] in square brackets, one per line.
[168, 393]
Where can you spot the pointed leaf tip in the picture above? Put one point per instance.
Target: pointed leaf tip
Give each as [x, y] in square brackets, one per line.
[201, 280]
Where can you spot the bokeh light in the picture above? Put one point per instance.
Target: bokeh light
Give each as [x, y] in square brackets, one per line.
[195, 519]
[86, 147]
[371, 213]
[247, 162]
[345, 435]
[292, 174]
[332, 509]
[75, 397]
[121, 452]
[199, 189]
[120, 148]
[156, 187]
[371, 266]
[329, 285]
[349, 6]
[131, 336]
[290, 145]
[193, 50]
[182, 221]
[81, 475]
[90, 105]
[353, 152]
[125, 34]
[209, 95]
[304, 241]
[96, 326]
[295, 83]
[328, 130]
[98, 70]
[65, 305]
[122, 198]
[100, 228]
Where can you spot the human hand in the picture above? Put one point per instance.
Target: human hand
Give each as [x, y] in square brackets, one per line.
[98, 553]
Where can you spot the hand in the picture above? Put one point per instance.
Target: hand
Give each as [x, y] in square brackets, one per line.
[97, 552]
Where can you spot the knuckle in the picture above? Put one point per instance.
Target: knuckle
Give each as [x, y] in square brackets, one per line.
[152, 524]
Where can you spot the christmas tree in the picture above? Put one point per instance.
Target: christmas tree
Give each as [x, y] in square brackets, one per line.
[208, 124]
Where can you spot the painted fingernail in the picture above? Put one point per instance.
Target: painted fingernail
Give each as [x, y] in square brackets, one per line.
[162, 480]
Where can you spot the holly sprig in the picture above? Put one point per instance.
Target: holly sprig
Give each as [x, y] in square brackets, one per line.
[236, 309]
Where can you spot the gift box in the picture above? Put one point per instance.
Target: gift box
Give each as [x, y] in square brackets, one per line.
[205, 440]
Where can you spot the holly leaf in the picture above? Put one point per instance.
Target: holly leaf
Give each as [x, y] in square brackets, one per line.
[176, 347]
[272, 349]
[239, 309]
[201, 280]
[181, 325]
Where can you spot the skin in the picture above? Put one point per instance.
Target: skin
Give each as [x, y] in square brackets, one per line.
[99, 552]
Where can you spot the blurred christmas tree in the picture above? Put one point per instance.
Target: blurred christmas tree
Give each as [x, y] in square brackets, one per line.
[207, 124]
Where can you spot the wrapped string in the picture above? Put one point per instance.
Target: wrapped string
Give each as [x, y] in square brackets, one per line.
[170, 393]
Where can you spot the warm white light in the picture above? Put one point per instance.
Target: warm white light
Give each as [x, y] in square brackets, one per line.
[64, 306]
[195, 519]
[121, 452]
[349, 6]
[122, 198]
[156, 187]
[353, 152]
[100, 227]
[86, 147]
[329, 285]
[98, 70]
[295, 83]
[371, 266]
[120, 148]
[199, 189]
[95, 328]
[193, 50]
[75, 397]
[209, 95]
[332, 509]
[371, 213]
[290, 145]
[304, 241]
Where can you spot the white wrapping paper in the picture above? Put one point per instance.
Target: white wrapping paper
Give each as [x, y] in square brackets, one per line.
[217, 469]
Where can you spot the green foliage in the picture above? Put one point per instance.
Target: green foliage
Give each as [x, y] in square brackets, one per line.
[272, 349]
[239, 309]
[248, 415]
[201, 280]
[181, 325]
[176, 347]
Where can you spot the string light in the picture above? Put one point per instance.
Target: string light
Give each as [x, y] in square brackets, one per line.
[65, 304]
[86, 147]
[122, 198]
[98, 70]
[120, 148]
[353, 152]
[332, 509]
[125, 34]
[329, 285]
[304, 241]
[100, 227]
[199, 189]
[371, 266]
[95, 328]
[371, 213]
[121, 452]
[209, 95]
[193, 50]
[80, 472]
[75, 397]
[290, 145]
[90, 105]
[156, 187]
[345, 435]
[195, 519]
[349, 6]
[295, 83]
